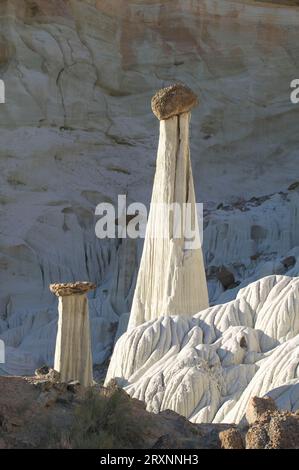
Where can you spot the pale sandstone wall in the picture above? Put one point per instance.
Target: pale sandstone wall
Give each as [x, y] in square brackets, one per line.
[77, 129]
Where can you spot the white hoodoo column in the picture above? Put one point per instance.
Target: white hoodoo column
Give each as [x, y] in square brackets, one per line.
[171, 278]
[73, 358]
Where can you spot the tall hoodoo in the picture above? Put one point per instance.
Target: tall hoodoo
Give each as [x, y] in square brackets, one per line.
[171, 278]
[73, 358]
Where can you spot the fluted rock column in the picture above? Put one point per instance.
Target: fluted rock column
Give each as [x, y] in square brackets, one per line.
[73, 358]
[171, 278]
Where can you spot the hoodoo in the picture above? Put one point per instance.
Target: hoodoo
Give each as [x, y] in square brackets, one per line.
[171, 278]
[73, 358]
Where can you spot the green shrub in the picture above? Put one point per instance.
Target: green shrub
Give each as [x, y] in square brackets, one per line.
[105, 423]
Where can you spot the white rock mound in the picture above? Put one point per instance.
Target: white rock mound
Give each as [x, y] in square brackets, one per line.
[207, 367]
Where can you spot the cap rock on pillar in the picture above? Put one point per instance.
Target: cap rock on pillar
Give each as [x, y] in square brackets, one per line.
[73, 357]
[71, 288]
[173, 100]
[171, 278]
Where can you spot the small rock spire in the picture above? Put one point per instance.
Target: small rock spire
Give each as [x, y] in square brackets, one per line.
[73, 358]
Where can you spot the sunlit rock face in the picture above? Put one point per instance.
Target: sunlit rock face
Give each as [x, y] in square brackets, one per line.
[77, 130]
[207, 367]
[171, 277]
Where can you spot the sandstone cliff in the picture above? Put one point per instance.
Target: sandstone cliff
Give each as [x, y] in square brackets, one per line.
[77, 130]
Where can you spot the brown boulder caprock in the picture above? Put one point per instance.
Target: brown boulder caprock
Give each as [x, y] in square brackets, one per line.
[274, 430]
[257, 407]
[173, 100]
[231, 439]
[71, 288]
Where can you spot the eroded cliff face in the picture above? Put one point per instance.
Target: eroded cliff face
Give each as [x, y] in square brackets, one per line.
[77, 130]
[93, 65]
